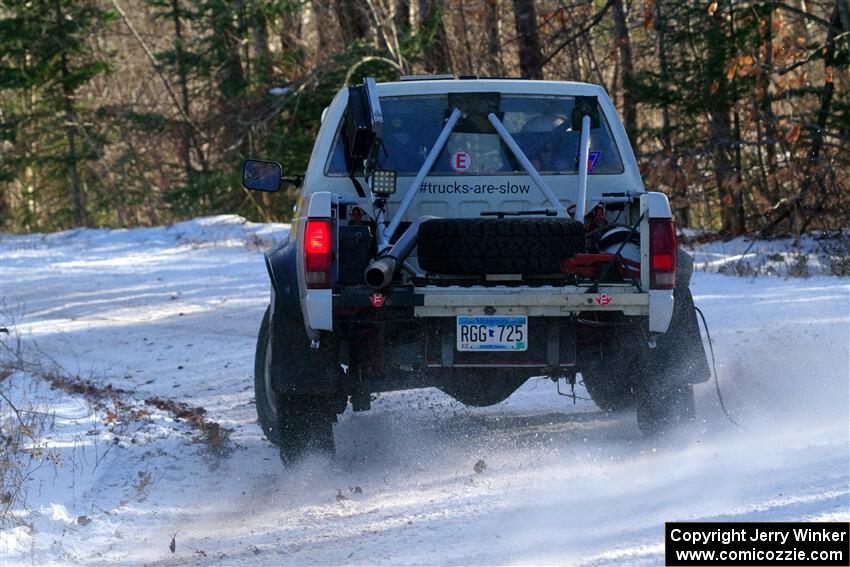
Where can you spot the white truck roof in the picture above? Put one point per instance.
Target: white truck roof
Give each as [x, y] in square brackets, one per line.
[441, 197]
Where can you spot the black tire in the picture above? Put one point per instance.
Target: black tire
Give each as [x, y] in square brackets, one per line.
[480, 387]
[294, 422]
[610, 391]
[264, 395]
[616, 366]
[663, 408]
[677, 363]
[529, 246]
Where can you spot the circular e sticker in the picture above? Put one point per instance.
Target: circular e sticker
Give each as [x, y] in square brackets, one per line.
[461, 161]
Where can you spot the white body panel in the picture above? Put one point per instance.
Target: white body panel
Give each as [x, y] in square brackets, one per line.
[660, 310]
[318, 309]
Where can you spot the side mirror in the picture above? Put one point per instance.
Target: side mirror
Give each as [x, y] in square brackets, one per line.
[260, 175]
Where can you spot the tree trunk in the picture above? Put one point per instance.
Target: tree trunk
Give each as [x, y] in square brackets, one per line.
[71, 131]
[321, 15]
[621, 34]
[231, 78]
[401, 18]
[737, 186]
[262, 55]
[814, 176]
[719, 108]
[353, 20]
[470, 61]
[528, 39]
[765, 109]
[661, 29]
[493, 31]
[683, 203]
[186, 134]
[843, 7]
[437, 56]
[291, 30]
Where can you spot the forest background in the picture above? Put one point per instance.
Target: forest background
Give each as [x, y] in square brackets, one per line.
[139, 112]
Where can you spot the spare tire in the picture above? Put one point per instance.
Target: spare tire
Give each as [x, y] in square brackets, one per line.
[528, 246]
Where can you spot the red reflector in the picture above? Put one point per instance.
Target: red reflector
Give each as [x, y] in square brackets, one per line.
[318, 237]
[662, 254]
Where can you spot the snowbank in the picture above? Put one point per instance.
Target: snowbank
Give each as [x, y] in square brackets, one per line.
[219, 230]
[818, 253]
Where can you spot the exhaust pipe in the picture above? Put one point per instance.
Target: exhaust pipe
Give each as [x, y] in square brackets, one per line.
[379, 272]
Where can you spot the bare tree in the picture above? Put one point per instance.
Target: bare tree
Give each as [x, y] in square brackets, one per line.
[624, 46]
[528, 39]
[719, 110]
[493, 30]
[353, 20]
[436, 54]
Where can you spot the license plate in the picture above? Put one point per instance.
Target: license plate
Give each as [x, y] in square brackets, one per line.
[492, 332]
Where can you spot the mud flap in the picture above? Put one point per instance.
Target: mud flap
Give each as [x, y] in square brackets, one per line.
[297, 367]
[679, 356]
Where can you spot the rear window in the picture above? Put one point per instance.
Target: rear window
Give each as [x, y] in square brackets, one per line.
[539, 124]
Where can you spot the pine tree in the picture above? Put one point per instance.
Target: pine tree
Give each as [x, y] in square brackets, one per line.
[46, 59]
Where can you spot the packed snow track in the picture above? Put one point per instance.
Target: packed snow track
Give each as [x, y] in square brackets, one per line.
[173, 313]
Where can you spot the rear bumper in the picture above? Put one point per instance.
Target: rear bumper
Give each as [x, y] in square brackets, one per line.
[531, 301]
[534, 301]
[408, 320]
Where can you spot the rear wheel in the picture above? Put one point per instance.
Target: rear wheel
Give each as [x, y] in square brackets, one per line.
[295, 423]
[265, 398]
[611, 391]
[663, 408]
[480, 386]
[666, 399]
[615, 366]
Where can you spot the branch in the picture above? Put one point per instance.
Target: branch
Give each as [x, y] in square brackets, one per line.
[597, 17]
[366, 60]
[811, 54]
[11, 405]
[806, 15]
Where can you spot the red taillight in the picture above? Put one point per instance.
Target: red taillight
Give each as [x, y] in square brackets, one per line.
[662, 254]
[318, 253]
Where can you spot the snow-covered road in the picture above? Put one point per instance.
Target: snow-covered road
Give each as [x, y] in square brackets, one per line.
[174, 312]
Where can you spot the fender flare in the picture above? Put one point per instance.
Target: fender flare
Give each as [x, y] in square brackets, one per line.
[311, 371]
[283, 273]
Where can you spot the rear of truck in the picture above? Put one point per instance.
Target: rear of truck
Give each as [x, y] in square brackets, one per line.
[467, 235]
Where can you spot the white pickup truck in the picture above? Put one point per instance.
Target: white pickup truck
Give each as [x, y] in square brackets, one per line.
[467, 235]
